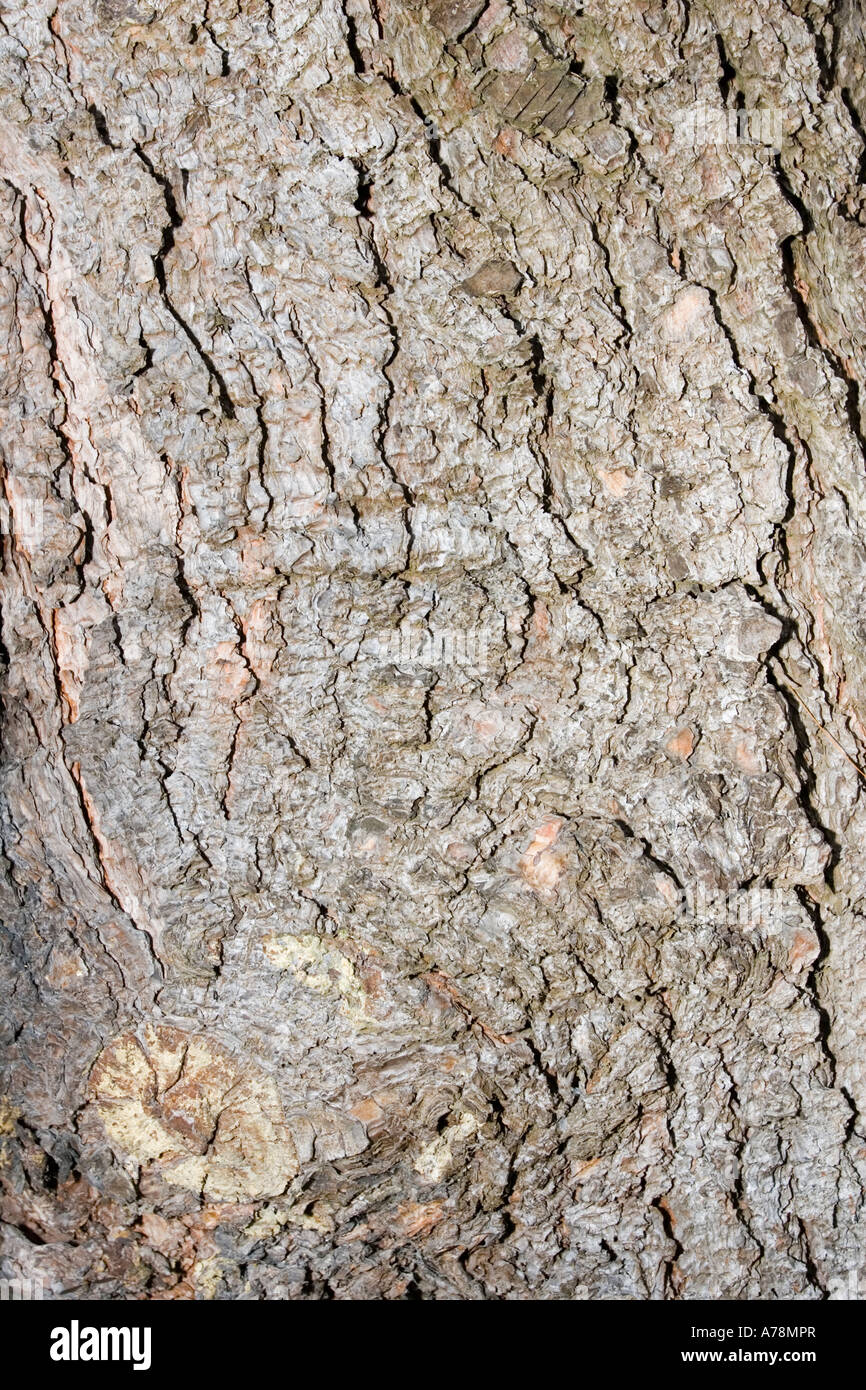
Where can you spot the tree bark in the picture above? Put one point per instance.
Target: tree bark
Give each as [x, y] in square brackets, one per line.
[434, 693]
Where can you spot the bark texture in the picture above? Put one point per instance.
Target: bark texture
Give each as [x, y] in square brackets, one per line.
[433, 594]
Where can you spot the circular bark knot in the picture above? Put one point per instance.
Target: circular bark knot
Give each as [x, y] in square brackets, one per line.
[181, 1103]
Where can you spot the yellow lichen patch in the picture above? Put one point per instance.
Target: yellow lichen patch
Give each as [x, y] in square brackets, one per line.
[318, 964]
[206, 1276]
[266, 1225]
[436, 1158]
[208, 1122]
[316, 1217]
[9, 1114]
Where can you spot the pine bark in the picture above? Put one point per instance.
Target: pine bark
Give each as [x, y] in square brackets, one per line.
[434, 834]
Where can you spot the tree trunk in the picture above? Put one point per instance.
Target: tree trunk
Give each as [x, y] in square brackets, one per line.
[434, 817]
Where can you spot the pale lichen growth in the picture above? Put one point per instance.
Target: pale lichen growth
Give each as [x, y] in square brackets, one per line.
[435, 1159]
[211, 1124]
[320, 966]
[9, 1115]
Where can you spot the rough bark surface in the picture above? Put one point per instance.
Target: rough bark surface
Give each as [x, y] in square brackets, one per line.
[434, 819]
